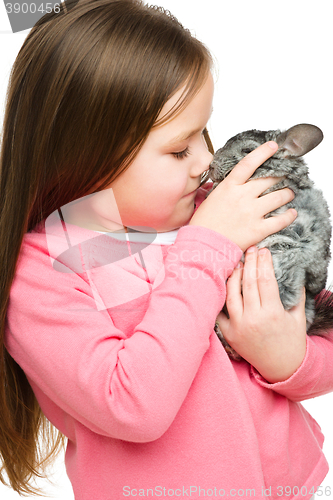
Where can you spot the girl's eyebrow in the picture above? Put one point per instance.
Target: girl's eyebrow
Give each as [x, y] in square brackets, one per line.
[186, 135]
[183, 137]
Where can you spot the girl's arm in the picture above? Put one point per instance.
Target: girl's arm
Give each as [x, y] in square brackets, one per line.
[127, 378]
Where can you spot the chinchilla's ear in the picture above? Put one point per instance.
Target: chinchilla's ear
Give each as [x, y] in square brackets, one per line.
[299, 140]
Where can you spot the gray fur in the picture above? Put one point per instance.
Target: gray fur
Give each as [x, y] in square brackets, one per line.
[300, 252]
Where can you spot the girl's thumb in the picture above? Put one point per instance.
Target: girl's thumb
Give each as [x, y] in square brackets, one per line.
[299, 309]
[222, 321]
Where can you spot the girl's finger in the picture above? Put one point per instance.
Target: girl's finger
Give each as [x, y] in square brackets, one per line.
[299, 309]
[250, 280]
[261, 184]
[223, 322]
[280, 221]
[276, 199]
[267, 284]
[245, 168]
[234, 299]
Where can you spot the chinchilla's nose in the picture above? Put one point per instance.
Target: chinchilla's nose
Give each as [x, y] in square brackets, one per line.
[212, 171]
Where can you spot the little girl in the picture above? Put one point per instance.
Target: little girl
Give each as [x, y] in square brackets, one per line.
[114, 269]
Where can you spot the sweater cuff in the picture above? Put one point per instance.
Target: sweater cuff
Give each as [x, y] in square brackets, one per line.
[216, 241]
[301, 384]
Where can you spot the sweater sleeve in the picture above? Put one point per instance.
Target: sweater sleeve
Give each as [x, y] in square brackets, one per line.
[126, 386]
[315, 375]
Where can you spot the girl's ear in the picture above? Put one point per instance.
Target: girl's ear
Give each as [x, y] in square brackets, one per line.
[299, 140]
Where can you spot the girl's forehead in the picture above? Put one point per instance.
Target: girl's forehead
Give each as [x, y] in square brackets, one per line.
[191, 118]
[180, 95]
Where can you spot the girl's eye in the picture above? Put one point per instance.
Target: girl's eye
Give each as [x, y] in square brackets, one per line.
[182, 154]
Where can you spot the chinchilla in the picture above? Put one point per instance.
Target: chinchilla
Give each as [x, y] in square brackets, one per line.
[301, 251]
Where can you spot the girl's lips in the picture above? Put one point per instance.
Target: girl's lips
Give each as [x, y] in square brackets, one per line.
[191, 193]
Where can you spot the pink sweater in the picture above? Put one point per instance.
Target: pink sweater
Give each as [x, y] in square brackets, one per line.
[123, 359]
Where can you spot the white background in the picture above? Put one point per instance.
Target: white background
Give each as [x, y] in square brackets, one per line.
[274, 70]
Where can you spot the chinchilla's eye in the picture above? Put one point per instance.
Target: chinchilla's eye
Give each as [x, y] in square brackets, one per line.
[246, 151]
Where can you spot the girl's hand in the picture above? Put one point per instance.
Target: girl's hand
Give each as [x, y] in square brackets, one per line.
[236, 210]
[270, 338]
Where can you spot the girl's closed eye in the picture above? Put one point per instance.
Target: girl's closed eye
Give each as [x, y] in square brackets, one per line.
[182, 154]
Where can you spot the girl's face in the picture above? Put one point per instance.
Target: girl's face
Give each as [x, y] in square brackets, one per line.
[157, 190]
[159, 187]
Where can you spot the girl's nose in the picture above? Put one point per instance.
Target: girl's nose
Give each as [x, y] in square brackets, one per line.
[202, 165]
[207, 159]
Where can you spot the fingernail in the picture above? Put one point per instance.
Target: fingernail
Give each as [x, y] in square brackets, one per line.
[263, 252]
[273, 145]
[251, 249]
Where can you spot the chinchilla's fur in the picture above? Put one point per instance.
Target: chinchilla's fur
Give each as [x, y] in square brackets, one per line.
[300, 252]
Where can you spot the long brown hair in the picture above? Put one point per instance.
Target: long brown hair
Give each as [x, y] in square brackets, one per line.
[85, 90]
